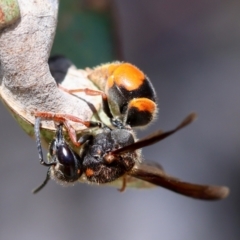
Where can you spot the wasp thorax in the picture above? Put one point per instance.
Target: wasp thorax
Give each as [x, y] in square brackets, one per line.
[100, 165]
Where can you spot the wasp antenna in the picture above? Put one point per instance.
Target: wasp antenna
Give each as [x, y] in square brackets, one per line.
[156, 136]
[36, 190]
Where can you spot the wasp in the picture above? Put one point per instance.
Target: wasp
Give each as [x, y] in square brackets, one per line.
[113, 153]
[110, 152]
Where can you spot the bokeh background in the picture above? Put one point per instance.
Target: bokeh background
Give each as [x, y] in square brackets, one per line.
[191, 52]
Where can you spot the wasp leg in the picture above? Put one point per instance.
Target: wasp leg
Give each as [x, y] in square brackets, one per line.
[124, 184]
[91, 92]
[85, 138]
[38, 141]
[65, 118]
[36, 190]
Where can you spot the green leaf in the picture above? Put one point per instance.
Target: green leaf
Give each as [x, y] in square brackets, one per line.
[84, 34]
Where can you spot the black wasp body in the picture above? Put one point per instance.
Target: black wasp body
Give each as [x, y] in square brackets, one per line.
[95, 159]
[128, 100]
[111, 153]
[108, 153]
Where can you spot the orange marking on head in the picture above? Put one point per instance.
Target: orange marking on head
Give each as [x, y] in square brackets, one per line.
[143, 104]
[89, 172]
[125, 75]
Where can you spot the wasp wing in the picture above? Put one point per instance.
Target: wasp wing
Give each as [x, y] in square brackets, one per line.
[154, 174]
[155, 137]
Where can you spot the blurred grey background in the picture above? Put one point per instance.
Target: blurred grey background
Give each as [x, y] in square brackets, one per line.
[191, 52]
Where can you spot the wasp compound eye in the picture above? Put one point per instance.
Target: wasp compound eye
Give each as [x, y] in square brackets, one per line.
[69, 164]
[64, 164]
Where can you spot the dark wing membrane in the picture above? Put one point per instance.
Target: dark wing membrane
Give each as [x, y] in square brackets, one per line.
[156, 136]
[155, 175]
